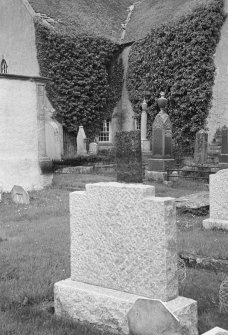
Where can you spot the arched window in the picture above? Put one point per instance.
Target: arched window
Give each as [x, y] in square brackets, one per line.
[4, 66]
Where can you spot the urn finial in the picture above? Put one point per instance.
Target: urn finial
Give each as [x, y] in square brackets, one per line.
[162, 101]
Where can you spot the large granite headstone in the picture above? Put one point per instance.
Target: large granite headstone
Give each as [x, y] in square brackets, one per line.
[123, 248]
[218, 195]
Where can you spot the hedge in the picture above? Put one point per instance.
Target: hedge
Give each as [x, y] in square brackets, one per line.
[129, 156]
[178, 59]
[86, 77]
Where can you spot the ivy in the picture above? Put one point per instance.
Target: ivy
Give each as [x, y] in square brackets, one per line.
[178, 58]
[85, 78]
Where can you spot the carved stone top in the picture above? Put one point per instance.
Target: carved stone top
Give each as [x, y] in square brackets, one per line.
[162, 121]
[162, 101]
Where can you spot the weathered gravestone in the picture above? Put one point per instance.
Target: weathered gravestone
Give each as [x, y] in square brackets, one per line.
[223, 157]
[218, 195]
[123, 247]
[128, 156]
[161, 143]
[201, 144]
[81, 142]
[19, 195]
[93, 148]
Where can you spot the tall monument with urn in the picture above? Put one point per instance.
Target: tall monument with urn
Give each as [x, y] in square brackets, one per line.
[161, 140]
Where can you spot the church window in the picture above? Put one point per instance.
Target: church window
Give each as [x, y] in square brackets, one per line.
[104, 135]
[4, 66]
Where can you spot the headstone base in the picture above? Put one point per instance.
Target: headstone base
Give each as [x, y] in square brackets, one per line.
[145, 145]
[107, 309]
[155, 176]
[214, 223]
[160, 164]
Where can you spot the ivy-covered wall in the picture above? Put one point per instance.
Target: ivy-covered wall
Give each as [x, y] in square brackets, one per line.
[86, 77]
[178, 58]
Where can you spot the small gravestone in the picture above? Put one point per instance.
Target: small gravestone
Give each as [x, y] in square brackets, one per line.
[201, 144]
[93, 148]
[151, 317]
[223, 157]
[19, 195]
[218, 195]
[81, 142]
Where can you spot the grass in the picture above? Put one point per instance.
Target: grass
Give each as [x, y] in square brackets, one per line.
[34, 254]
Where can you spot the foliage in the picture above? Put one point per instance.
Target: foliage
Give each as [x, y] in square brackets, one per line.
[178, 58]
[129, 156]
[85, 78]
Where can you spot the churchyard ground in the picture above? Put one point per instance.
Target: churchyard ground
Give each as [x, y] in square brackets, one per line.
[34, 254]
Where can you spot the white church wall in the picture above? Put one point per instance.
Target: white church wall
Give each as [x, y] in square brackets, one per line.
[19, 135]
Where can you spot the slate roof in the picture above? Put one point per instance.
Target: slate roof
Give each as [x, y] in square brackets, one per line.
[104, 17]
[148, 14]
[94, 17]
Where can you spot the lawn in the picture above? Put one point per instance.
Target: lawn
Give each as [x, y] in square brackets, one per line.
[34, 254]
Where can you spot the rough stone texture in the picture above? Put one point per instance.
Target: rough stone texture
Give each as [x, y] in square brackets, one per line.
[108, 308]
[19, 195]
[194, 201]
[124, 238]
[185, 310]
[216, 331]
[152, 317]
[155, 176]
[218, 201]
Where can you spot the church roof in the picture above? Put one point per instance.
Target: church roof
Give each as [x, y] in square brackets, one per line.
[93, 17]
[106, 17]
[149, 14]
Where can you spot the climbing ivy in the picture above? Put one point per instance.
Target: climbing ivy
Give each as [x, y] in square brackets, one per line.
[85, 77]
[178, 58]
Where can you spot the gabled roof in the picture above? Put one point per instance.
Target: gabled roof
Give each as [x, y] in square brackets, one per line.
[94, 17]
[149, 14]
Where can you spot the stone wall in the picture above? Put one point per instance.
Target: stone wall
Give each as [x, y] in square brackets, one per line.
[18, 135]
[218, 115]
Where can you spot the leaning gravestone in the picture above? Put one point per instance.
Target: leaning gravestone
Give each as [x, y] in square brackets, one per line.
[19, 195]
[218, 194]
[123, 248]
[129, 156]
